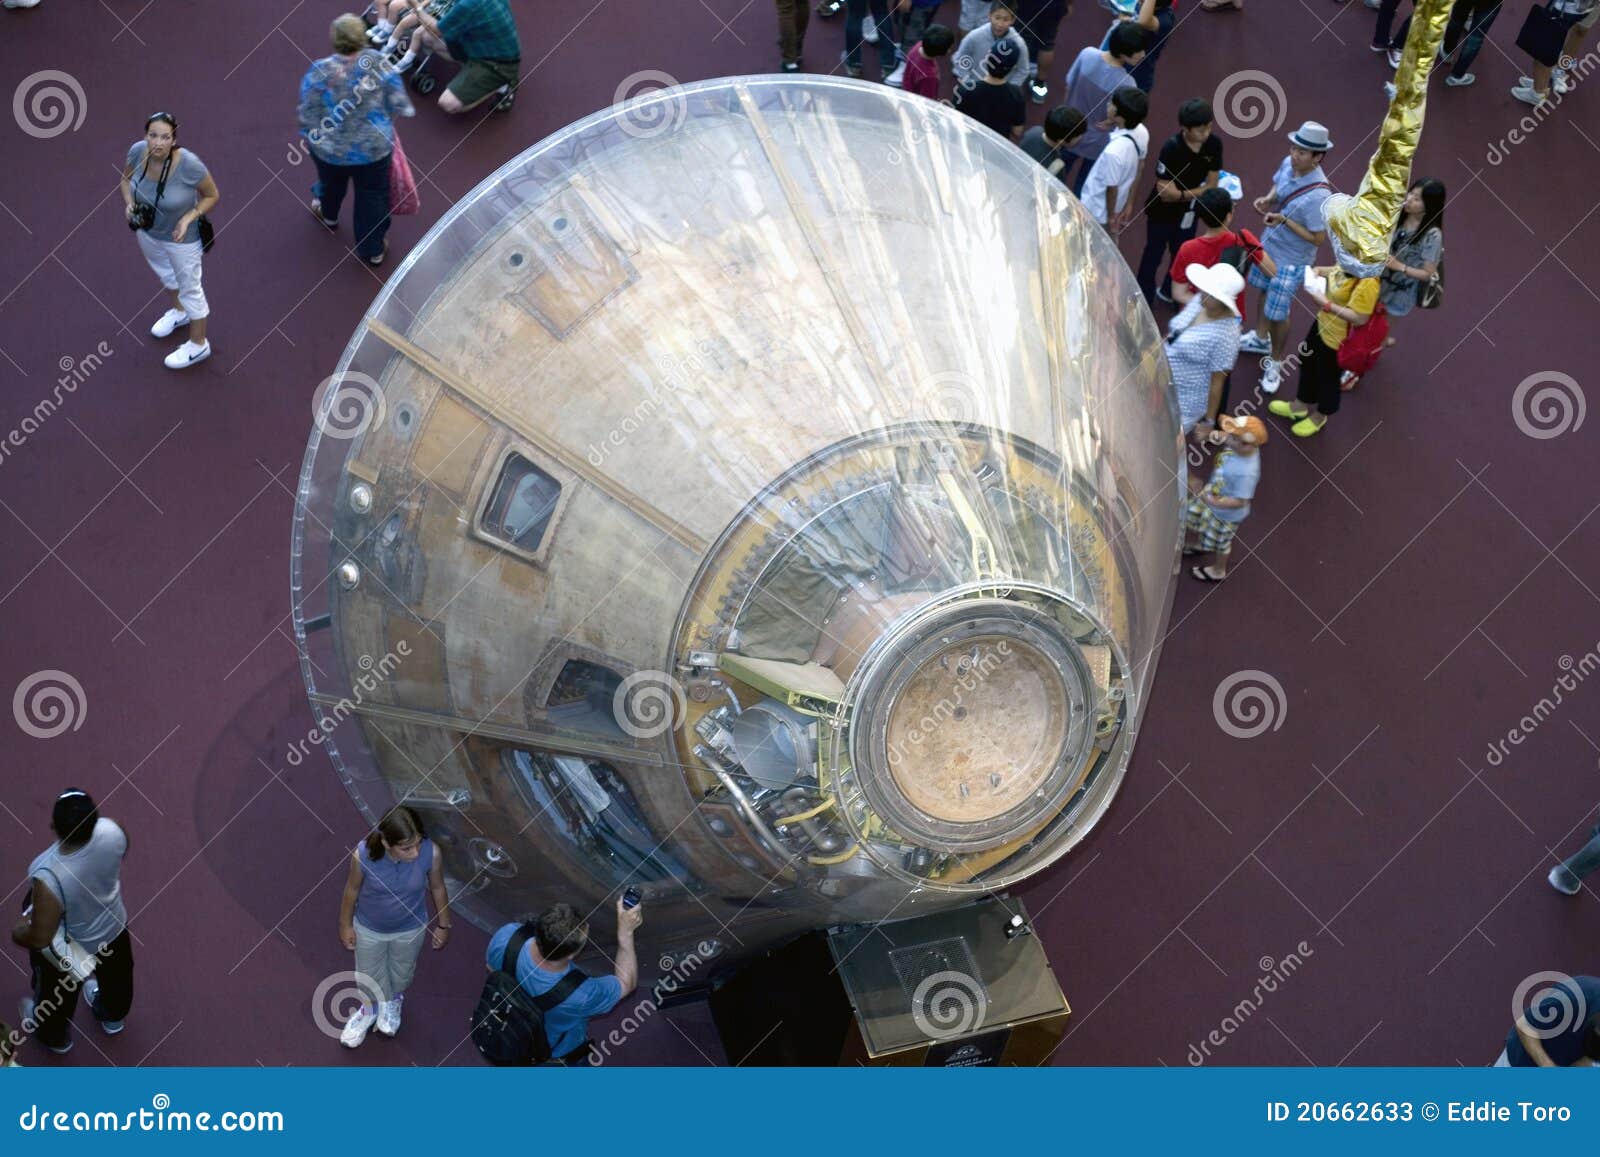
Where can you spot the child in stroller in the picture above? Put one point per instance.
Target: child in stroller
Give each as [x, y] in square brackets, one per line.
[393, 32]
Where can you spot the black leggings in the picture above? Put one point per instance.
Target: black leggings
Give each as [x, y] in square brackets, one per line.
[1319, 374]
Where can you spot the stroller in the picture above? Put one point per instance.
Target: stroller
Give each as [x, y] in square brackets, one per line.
[421, 80]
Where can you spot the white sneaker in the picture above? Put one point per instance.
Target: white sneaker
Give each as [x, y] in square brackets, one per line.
[356, 1028]
[1394, 58]
[1389, 89]
[389, 1016]
[1254, 343]
[1460, 81]
[188, 354]
[897, 77]
[22, 3]
[1559, 80]
[1271, 376]
[1526, 94]
[869, 30]
[168, 322]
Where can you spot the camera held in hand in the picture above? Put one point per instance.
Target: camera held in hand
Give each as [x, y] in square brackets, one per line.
[141, 216]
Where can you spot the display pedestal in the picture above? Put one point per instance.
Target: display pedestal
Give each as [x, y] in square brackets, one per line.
[948, 989]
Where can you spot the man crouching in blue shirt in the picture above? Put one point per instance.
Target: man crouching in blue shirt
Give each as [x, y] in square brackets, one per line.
[559, 935]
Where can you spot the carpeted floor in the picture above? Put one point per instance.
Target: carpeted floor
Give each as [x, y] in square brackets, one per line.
[1416, 579]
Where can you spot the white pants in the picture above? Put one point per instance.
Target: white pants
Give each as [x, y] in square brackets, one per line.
[177, 264]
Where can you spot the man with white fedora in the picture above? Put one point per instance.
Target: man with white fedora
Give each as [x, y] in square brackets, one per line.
[1203, 343]
[1292, 214]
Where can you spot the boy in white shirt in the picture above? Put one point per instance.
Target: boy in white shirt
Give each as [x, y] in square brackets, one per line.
[1107, 191]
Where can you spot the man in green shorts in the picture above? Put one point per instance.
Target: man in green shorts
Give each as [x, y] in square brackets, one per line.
[481, 36]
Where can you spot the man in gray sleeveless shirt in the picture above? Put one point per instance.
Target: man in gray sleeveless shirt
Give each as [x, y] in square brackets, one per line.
[77, 886]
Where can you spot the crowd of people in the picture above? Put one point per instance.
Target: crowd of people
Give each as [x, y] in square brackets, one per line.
[74, 925]
[1195, 268]
[349, 103]
[1195, 265]
[74, 928]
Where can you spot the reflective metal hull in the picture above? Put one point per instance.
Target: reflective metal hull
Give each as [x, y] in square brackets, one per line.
[765, 492]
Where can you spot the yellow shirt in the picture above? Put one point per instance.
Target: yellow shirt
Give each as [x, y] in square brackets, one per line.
[1360, 295]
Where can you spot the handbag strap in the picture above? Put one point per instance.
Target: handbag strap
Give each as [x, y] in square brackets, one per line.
[161, 187]
[551, 997]
[1305, 189]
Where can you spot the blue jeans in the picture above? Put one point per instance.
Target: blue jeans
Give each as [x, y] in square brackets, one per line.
[1161, 239]
[1383, 31]
[854, 12]
[1587, 858]
[372, 199]
[1470, 21]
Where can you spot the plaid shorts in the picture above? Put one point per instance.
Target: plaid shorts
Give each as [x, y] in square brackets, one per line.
[1280, 290]
[1216, 536]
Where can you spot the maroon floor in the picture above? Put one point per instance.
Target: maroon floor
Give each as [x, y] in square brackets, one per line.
[1416, 578]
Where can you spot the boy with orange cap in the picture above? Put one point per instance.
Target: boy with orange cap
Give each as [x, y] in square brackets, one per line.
[1213, 515]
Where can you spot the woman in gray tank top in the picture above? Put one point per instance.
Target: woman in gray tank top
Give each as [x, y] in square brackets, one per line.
[383, 918]
[77, 889]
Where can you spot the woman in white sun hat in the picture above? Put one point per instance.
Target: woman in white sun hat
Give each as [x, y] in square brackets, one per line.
[1203, 343]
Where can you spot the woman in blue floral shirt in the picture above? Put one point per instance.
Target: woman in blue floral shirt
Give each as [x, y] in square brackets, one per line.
[348, 102]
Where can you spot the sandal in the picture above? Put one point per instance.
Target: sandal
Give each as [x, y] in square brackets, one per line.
[1203, 573]
[1308, 426]
[1287, 410]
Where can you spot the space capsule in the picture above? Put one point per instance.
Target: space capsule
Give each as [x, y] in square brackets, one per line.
[764, 492]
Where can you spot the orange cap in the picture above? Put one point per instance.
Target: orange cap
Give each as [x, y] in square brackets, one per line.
[1251, 429]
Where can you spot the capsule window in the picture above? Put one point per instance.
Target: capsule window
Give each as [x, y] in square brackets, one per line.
[521, 505]
[585, 807]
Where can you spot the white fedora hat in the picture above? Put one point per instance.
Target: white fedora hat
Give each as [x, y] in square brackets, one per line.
[1313, 136]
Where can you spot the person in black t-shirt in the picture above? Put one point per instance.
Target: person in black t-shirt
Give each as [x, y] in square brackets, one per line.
[993, 102]
[1188, 165]
[1048, 143]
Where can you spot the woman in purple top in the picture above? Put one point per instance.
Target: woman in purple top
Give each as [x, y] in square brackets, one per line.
[384, 914]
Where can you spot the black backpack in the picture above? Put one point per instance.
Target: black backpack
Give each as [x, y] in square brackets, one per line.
[508, 1024]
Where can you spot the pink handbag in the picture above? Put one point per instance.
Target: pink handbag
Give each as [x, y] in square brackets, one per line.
[403, 197]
